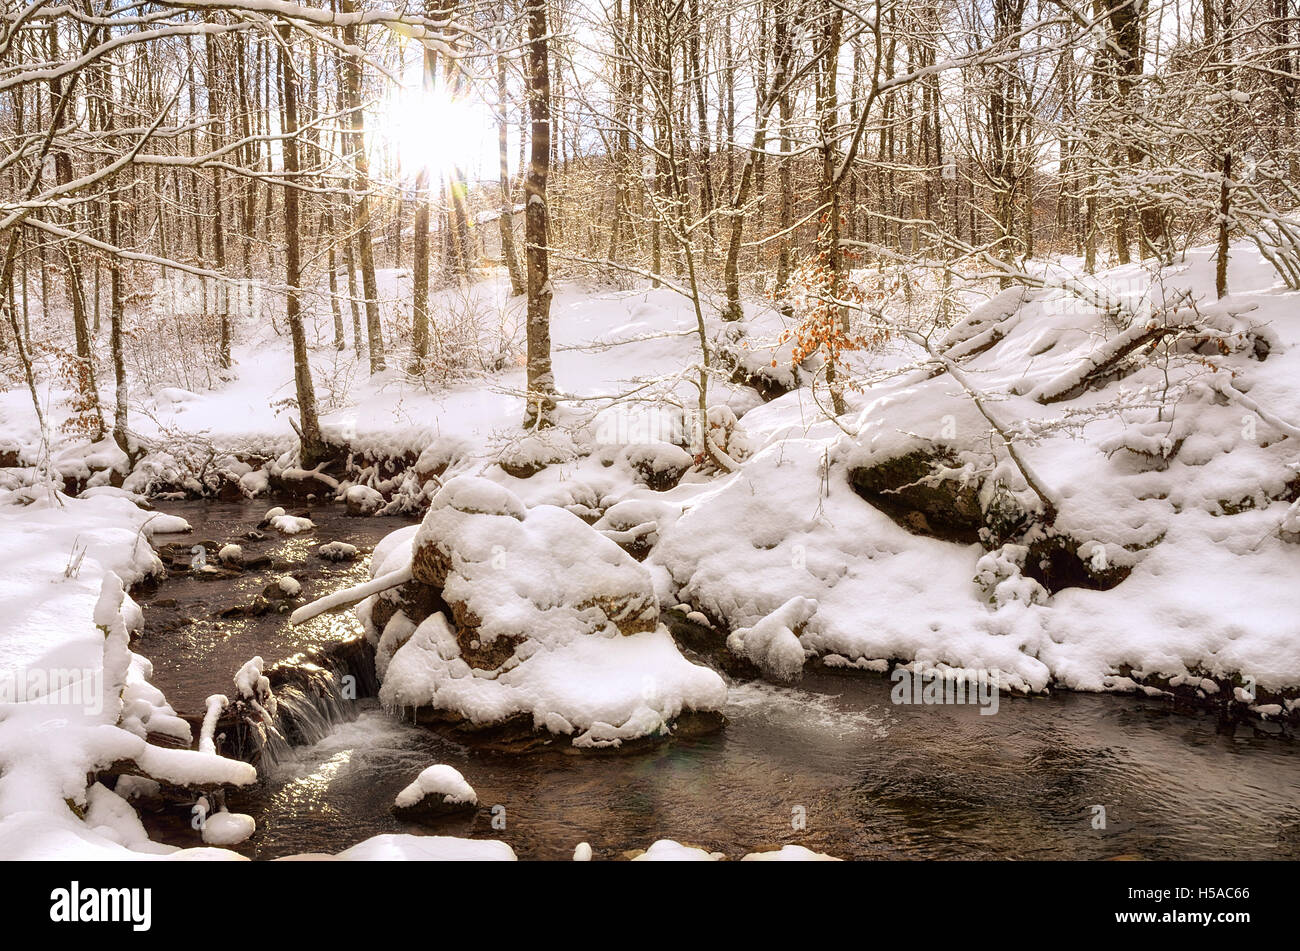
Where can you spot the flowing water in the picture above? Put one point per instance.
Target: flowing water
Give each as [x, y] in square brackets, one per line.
[831, 764]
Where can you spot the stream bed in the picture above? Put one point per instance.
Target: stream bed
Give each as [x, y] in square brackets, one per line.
[831, 764]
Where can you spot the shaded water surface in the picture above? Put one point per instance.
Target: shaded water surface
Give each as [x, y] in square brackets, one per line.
[868, 778]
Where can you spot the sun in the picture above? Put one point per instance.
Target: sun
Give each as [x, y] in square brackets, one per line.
[435, 132]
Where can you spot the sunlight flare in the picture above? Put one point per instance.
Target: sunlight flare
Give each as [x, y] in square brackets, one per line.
[434, 131]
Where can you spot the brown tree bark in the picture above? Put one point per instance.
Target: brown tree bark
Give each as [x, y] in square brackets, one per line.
[540, 379]
[506, 222]
[313, 448]
[361, 185]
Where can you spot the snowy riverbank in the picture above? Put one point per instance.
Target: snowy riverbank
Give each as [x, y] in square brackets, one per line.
[1141, 536]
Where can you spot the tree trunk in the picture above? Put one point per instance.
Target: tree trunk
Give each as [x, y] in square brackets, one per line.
[313, 449]
[331, 262]
[361, 185]
[541, 381]
[518, 283]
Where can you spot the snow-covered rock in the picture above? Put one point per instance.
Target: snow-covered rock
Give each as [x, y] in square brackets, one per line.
[790, 853]
[337, 551]
[288, 586]
[438, 790]
[423, 848]
[508, 576]
[668, 850]
[227, 828]
[549, 621]
[287, 524]
[363, 500]
[773, 643]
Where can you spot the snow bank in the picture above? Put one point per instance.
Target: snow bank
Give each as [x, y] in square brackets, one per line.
[1168, 557]
[75, 699]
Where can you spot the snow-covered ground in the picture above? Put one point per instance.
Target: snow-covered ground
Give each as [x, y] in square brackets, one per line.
[600, 339]
[75, 698]
[1173, 487]
[1193, 497]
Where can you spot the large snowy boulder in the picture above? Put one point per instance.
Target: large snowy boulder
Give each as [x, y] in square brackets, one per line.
[933, 492]
[508, 574]
[529, 622]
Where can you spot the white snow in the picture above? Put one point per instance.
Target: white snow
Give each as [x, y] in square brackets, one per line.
[667, 850]
[364, 498]
[216, 705]
[287, 524]
[773, 643]
[543, 576]
[254, 687]
[789, 525]
[438, 780]
[790, 853]
[600, 690]
[92, 704]
[426, 848]
[337, 551]
[227, 828]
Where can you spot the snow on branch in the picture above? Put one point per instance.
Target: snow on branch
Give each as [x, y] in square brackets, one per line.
[350, 596]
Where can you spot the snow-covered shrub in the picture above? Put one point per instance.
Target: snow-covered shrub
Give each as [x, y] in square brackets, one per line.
[998, 575]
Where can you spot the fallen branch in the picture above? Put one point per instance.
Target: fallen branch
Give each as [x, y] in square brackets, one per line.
[1036, 485]
[1102, 362]
[1231, 392]
[350, 596]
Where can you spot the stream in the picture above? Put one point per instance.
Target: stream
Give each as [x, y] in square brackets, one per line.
[831, 764]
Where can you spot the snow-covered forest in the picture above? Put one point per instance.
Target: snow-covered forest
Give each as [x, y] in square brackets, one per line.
[777, 406]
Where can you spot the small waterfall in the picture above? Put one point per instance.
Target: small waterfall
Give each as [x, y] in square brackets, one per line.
[305, 714]
[312, 697]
